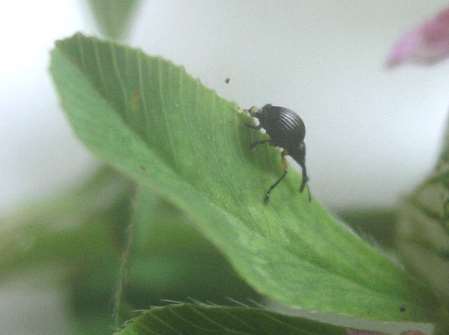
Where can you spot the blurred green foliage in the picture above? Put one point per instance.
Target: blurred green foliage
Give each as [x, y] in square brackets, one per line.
[376, 225]
[113, 16]
[84, 233]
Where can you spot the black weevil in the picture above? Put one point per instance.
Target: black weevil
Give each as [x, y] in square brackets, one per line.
[287, 131]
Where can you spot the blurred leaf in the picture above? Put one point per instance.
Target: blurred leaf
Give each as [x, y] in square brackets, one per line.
[113, 16]
[92, 324]
[83, 230]
[152, 121]
[172, 260]
[201, 319]
[80, 230]
[423, 230]
[68, 229]
[169, 260]
[378, 225]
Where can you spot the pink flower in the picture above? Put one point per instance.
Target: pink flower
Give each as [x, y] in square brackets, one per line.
[427, 44]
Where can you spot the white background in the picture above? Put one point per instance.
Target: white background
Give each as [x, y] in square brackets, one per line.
[371, 134]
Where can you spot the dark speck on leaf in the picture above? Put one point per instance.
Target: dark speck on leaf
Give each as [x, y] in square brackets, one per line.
[402, 308]
[227, 80]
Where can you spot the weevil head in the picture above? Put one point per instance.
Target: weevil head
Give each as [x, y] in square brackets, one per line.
[265, 111]
[267, 107]
[261, 114]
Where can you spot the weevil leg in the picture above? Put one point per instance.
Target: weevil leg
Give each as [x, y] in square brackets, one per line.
[271, 188]
[255, 144]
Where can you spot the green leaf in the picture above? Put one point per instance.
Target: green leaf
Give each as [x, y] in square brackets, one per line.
[113, 16]
[202, 319]
[152, 121]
